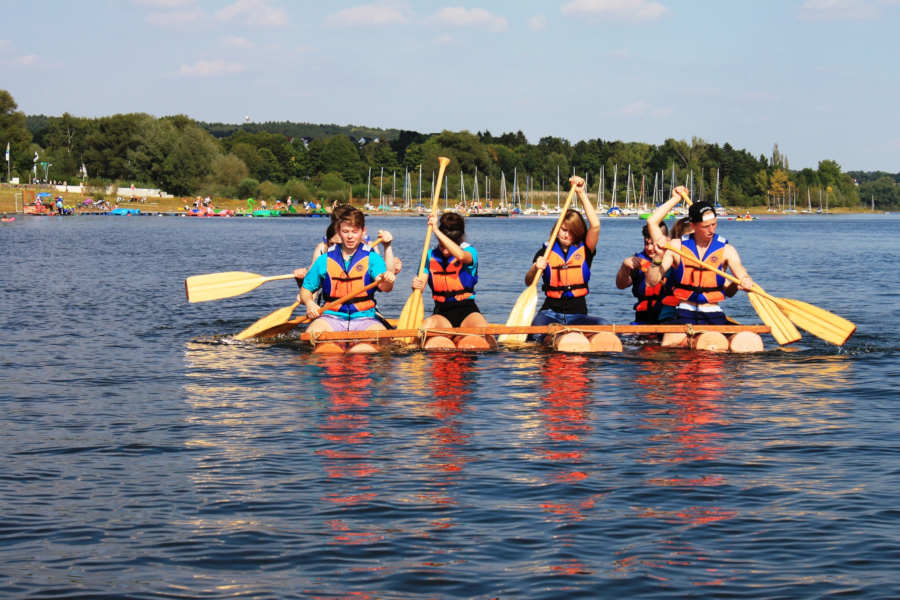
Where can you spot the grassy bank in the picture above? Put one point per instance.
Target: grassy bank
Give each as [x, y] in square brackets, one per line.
[8, 203]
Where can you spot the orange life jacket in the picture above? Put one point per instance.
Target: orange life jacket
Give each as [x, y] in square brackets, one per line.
[567, 274]
[339, 282]
[650, 296]
[449, 278]
[692, 283]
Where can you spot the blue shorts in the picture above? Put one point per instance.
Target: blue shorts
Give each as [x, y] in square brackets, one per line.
[547, 316]
[699, 317]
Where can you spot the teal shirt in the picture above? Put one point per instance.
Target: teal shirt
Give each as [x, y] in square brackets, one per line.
[319, 270]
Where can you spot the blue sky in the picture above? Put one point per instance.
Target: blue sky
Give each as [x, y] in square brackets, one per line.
[817, 77]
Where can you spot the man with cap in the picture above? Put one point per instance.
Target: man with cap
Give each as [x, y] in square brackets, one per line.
[699, 291]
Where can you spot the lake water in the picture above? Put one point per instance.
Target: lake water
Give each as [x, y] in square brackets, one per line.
[149, 456]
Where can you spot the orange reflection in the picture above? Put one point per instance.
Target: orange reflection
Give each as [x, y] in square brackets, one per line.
[347, 380]
[565, 416]
[451, 384]
[687, 391]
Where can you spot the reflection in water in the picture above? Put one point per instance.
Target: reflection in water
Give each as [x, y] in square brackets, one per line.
[346, 430]
[566, 422]
[451, 385]
[687, 395]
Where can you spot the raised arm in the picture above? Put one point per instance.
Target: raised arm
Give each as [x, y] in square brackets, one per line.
[593, 232]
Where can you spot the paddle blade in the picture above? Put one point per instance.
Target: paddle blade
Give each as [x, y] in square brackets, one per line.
[818, 321]
[521, 315]
[413, 313]
[215, 286]
[782, 329]
[200, 288]
[274, 319]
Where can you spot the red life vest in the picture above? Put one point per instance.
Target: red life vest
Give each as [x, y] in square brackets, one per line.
[339, 282]
[567, 275]
[449, 278]
[692, 283]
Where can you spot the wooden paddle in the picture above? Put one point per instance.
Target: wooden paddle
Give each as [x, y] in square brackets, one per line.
[215, 286]
[782, 329]
[817, 321]
[277, 317]
[413, 312]
[275, 327]
[522, 312]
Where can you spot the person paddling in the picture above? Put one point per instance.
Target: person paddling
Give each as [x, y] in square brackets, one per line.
[567, 271]
[699, 291]
[346, 269]
[451, 271]
[655, 303]
[331, 238]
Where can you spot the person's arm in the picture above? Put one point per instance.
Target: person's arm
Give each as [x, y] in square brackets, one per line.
[378, 270]
[306, 297]
[455, 249]
[659, 267]
[537, 267]
[593, 233]
[624, 276]
[658, 216]
[733, 261]
[389, 259]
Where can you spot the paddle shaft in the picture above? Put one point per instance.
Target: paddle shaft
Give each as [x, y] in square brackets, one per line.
[556, 228]
[443, 161]
[335, 303]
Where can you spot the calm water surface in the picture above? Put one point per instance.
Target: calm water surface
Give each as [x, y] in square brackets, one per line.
[148, 455]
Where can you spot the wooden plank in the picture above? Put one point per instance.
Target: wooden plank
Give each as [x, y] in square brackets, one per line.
[386, 334]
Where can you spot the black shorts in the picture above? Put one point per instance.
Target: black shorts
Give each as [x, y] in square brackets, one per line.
[455, 312]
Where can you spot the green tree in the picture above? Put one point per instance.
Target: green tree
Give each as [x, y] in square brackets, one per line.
[14, 132]
[341, 156]
[248, 188]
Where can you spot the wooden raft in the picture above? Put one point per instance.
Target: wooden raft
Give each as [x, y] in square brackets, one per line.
[554, 329]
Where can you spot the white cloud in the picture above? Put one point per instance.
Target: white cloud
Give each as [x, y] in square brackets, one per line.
[375, 14]
[620, 10]
[210, 68]
[537, 23]
[444, 39]
[839, 10]
[460, 16]
[236, 41]
[253, 12]
[26, 60]
[175, 18]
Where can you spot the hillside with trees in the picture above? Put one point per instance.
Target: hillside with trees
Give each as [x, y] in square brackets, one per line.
[310, 162]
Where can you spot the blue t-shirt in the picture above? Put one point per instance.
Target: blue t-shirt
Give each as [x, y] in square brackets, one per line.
[319, 270]
[471, 269]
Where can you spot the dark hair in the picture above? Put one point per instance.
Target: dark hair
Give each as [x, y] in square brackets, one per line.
[698, 209]
[645, 231]
[453, 226]
[336, 213]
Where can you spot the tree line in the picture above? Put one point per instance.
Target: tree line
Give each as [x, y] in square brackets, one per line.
[329, 162]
